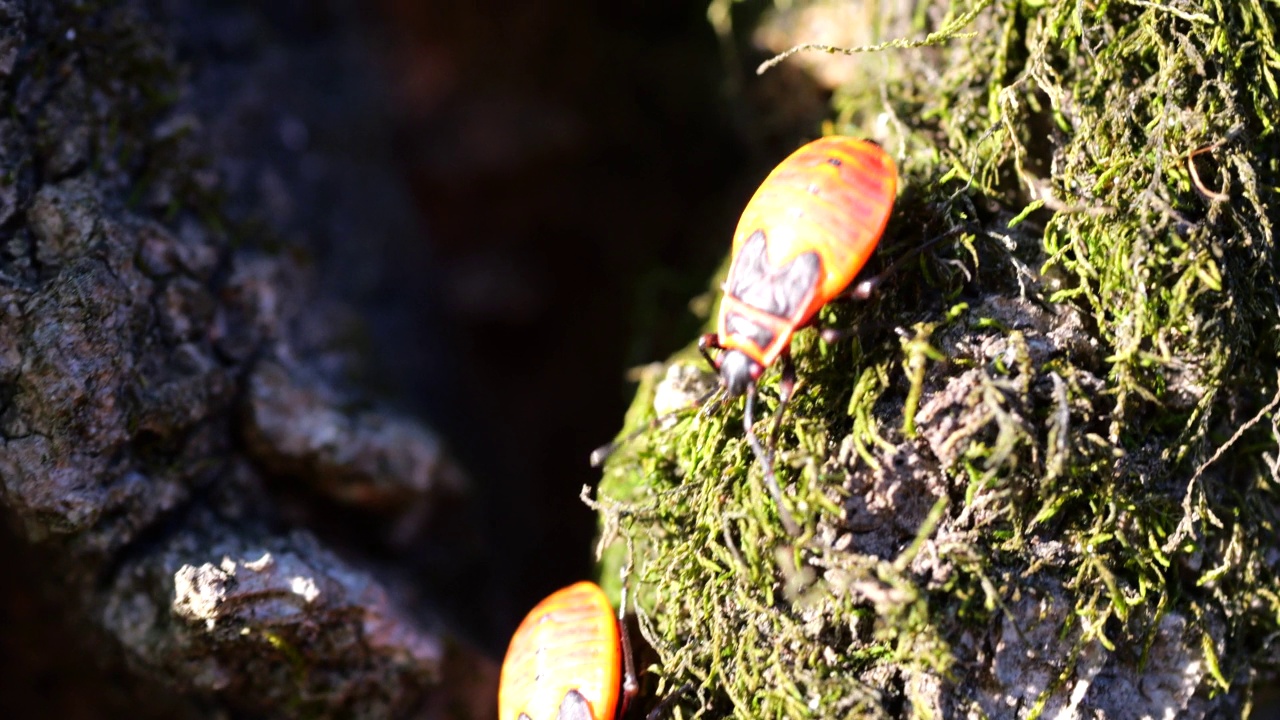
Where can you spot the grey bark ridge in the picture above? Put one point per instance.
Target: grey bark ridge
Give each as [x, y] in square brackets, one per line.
[151, 385]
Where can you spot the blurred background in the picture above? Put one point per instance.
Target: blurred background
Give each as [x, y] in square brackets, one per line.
[505, 206]
[577, 169]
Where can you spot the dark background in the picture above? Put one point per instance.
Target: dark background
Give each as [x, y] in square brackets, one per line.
[578, 168]
[522, 200]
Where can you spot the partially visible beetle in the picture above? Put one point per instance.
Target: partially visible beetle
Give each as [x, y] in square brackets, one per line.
[565, 660]
[801, 240]
[570, 659]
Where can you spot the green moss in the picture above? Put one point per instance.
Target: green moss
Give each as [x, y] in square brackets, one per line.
[1077, 406]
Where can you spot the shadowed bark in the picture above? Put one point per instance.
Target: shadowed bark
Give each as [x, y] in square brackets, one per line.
[165, 349]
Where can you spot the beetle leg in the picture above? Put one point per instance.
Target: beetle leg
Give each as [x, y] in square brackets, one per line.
[705, 344]
[630, 685]
[786, 390]
[602, 453]
[868, 287]
[666, 702]
[864, 289]
[787, 385]
[831, 335]
[766, 463]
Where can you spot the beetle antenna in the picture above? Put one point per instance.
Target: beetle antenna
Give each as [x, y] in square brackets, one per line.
[766, 463]
[602, 453]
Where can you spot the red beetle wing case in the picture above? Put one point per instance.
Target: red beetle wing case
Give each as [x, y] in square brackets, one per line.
[564, 660]
[803, 237]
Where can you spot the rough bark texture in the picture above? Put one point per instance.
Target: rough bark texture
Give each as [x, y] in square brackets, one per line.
[163, 350]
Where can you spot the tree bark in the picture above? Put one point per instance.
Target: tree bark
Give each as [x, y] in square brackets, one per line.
[166, 348]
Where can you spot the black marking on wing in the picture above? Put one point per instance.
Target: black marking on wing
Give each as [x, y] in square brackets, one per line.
[735, 324]
[779, 291]
[574, 707]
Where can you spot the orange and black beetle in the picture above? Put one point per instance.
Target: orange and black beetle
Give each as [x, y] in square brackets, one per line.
[803, 237]
[565, 660]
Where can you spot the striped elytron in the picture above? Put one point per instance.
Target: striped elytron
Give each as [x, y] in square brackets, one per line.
[564, 661]
[802, 238]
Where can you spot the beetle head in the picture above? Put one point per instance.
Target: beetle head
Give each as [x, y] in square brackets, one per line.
[738, 372]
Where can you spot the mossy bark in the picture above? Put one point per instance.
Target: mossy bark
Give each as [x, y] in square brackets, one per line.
[1040, 480]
